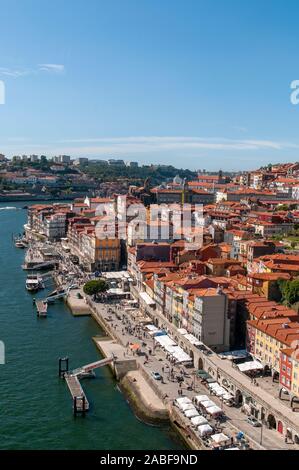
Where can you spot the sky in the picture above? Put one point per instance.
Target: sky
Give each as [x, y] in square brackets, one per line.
[199, 84]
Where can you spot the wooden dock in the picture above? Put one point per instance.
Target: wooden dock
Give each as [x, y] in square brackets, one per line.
[79, 398]
[41, 307]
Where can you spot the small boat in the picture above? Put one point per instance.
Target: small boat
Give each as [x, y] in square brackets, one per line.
[34, 283]
[21, 243]
[8, 208]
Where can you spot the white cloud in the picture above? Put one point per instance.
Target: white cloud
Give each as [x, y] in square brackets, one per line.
[157, 144]
[16, 73]
[57, 68]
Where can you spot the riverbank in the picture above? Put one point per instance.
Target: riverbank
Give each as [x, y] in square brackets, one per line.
[139, 387]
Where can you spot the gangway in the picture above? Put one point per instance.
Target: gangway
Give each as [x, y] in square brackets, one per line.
[58, 294]
[92, 366]
[80, 402]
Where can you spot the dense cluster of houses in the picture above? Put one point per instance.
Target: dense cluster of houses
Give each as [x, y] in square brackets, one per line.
[225, 291]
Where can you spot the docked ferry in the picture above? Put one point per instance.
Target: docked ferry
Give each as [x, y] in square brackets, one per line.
[34, 283]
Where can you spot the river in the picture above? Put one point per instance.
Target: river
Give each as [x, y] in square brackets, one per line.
[35, 405]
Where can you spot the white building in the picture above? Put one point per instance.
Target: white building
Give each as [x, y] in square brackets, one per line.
[211, 324]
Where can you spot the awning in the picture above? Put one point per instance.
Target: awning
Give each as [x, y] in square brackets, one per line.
[250, 365]
[214, 410]
[164, 340]
[207, 403]
[220, 438]
[204, 429]
[199, 420]
[192, 340]
[146, 298]
[191, 413]
[201, 398]
[182, 331]
[183, 400]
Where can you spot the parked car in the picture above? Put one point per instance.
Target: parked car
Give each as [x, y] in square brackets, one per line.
[156, 375]
[253, 421]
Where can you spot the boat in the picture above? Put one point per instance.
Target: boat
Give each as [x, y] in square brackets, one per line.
[34, 283]
[8, 208]
[21, 243]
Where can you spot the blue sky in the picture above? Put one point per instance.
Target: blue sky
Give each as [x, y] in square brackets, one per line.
[193, 83]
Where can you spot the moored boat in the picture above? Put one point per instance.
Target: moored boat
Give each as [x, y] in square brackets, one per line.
[34, 283]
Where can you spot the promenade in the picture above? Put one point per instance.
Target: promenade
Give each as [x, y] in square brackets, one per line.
[126, 330]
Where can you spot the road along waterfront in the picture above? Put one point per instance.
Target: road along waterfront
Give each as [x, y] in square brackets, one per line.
[35, 405]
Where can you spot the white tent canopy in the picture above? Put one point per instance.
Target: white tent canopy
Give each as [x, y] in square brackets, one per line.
[220, 438]
[182, 331]
[204, 429]
[250, 365]
[191, 413]
[186, 406]
[199, 420]
[151, 328]
[192, 339]
[214, 410]
[227, 396]
[201, 398]
[146, 298]
[207, 404]
[183, 400]
[164, 340]
[180, 355]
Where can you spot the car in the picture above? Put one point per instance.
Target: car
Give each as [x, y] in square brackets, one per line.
[156, 375]
[254, 422]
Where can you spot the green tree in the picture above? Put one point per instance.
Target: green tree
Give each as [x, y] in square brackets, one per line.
[289, 291]
[95, 287]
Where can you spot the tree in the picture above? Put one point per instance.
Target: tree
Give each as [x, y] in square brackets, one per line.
[289, 291]
[95, 287]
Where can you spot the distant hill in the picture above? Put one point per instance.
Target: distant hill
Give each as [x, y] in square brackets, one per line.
[156, 173]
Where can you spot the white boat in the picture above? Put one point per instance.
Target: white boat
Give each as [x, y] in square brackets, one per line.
[34, 283]
[21, 242]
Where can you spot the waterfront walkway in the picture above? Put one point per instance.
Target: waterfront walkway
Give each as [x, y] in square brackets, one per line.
[126, 331]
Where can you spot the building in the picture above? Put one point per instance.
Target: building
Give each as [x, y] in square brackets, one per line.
[80, 161]
[211, 323]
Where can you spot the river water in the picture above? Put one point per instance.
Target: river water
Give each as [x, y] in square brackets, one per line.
[35, 405]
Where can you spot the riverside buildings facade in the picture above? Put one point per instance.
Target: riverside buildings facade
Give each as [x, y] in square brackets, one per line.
[225, 291]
